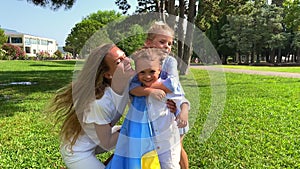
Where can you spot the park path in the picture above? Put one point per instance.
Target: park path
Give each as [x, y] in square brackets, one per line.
[266, 73]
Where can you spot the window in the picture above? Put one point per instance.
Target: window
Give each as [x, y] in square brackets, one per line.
[44, 42]
[34, 41]
[27, 41]
[16, 40]
[27, 49]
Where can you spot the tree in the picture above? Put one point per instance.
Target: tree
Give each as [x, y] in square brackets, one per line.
[187, 47]
[80, 34]
[255, 30]
[86, 28]
[292, 22]
[123, 5]
[3, 37]
[54, 4]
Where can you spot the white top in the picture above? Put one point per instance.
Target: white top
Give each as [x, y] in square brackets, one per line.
[102, 111]
[165, 130]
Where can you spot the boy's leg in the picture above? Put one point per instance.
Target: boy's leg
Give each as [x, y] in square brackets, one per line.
[170, 159]
[184, 161]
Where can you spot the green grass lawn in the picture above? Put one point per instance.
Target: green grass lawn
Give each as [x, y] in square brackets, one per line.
[259, 127]
[294, 69]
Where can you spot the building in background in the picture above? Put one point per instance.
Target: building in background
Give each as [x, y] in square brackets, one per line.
[31, 44]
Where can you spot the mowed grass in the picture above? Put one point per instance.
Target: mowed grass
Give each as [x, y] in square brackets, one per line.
[292, 69]
[259, 127]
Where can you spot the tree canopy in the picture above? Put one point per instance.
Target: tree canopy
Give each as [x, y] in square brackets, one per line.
[54, 4]
[83, 30]
[3, 37]
[236, 27]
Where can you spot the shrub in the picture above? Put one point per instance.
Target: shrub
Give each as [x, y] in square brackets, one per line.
[3, 55]
[43, 55]
[59, 54]
[14, 52]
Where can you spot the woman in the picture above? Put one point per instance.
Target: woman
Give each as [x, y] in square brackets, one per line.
[89, 107]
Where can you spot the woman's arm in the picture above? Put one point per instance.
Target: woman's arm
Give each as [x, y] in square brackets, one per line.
[108, 140]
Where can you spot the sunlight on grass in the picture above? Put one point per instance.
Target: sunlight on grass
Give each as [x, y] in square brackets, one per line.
[259, 127]
[295, 69]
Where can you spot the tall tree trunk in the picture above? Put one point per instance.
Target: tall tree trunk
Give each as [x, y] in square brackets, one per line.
[170, 8]
[272, 56]
[252, 56]
[240, 59]
[248, 58]
[181, 33]
[279, 57]
[162, 10]
[298, 55]
[237, 55]
[157, 6]
[188, 38]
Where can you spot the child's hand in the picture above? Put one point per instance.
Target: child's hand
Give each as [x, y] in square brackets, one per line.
[182, 118]
[157, 94]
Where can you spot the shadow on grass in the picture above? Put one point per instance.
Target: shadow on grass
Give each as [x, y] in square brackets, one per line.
[12, 97]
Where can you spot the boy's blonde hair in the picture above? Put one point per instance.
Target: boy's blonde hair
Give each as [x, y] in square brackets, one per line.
[159, 28]
[150, 56]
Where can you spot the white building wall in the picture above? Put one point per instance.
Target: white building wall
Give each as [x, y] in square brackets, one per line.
[32, 45]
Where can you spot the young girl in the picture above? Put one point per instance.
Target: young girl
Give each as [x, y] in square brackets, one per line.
[89, 107]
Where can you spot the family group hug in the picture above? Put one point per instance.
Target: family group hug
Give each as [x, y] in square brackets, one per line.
[150, 97]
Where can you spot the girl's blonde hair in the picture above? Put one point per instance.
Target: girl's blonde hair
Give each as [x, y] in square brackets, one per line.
[159, 28]
[70, 102]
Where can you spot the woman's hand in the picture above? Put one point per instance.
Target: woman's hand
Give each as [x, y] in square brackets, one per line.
[171, 106]
[121, 76]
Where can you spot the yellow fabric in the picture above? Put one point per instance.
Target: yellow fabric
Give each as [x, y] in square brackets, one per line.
[150, 160]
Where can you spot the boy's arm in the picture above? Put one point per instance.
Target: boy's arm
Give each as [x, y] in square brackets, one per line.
[140, 91]
[161, 85]
[146, 91]
[157, 91]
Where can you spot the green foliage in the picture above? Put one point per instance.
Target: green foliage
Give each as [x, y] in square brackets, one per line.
[59, 54]
[14, 52]
[254, 28]
[3, 55]
[54, 4]
[132, 40]
[123, 5]
[259, 127]
[292, 14]
[43, 55]
[84, 30]
[3, 37]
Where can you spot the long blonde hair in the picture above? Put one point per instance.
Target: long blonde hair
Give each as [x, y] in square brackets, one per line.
[159, 28]
[70, 102]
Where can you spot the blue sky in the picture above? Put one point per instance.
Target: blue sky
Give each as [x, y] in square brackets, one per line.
[24, 17]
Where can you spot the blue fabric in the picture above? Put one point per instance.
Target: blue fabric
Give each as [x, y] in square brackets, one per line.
[134, 139]
[134, 83]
